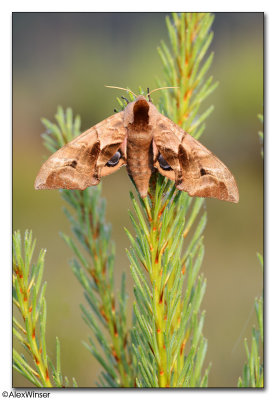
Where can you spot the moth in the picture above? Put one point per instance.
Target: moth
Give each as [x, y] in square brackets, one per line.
[143, 139]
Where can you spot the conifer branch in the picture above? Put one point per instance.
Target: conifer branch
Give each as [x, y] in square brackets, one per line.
[167, 248]
[29, 299]
[93, 266]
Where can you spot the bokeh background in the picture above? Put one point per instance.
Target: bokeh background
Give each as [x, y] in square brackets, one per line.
[66, 59]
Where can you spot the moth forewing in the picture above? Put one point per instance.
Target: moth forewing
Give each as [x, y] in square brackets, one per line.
[71, 167]
[78, 164]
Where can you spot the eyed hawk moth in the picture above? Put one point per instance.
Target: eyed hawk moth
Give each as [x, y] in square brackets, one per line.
[143, 139]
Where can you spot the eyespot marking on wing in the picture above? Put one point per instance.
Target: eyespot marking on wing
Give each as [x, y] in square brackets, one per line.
[114, 160]
[163, 163]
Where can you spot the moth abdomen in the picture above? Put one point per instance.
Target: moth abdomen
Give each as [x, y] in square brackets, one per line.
[139, 157]
[140, 171]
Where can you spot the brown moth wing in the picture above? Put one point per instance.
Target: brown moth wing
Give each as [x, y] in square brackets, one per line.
[204, 175]
[197, 171]
[166, 141]
[78, 164]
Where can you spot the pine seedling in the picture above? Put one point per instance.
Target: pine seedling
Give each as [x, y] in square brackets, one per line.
[167, 247]
[93, 266]
[29, 299]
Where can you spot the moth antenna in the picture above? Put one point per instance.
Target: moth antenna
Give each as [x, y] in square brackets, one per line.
[124, 98]
[161, 88]
[117, 87]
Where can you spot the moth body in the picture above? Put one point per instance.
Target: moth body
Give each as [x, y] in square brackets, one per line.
[139, 144]
[142, 139]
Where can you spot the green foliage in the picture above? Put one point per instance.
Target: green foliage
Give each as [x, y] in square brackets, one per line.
[95, 272]
[93, 266]
[29, 299]
[167, 249]
[186, 65]
[57, 135]
[167, 338]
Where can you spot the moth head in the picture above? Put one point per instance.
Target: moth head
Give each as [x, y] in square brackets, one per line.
[141, 111]
[141, 101]
[138, 112]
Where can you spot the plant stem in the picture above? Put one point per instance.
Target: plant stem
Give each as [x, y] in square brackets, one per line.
[91, 228]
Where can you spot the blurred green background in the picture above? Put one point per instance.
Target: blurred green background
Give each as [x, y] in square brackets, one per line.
[66, 59]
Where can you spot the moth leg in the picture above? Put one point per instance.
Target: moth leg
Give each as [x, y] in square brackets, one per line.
[124, 98]
[149, 95]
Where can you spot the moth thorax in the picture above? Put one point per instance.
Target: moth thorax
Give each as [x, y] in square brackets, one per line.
[141, 112]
